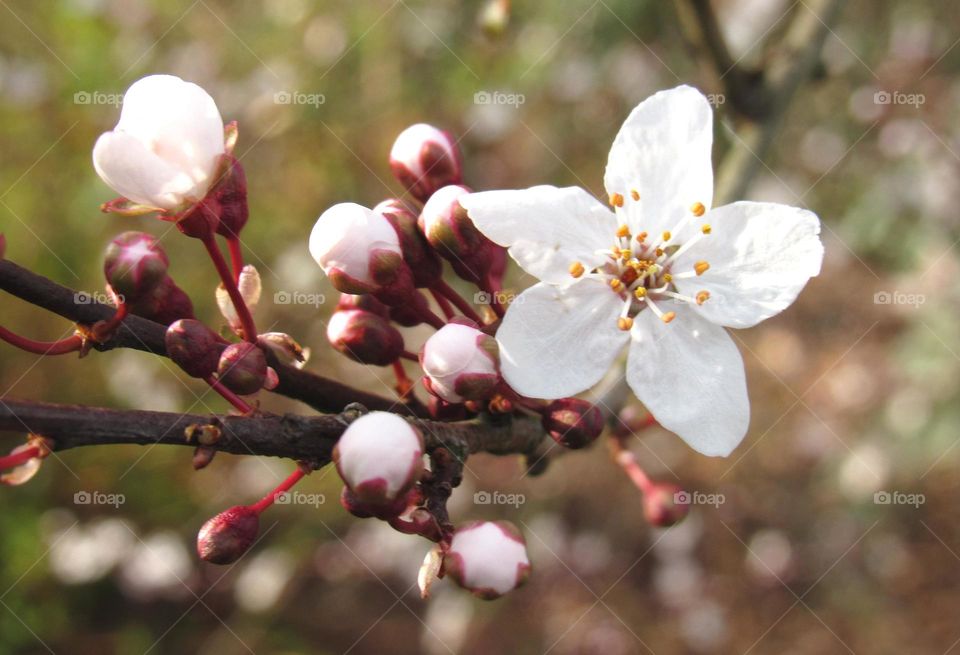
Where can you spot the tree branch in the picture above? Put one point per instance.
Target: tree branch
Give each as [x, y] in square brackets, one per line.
[309, 438]
[141, 334]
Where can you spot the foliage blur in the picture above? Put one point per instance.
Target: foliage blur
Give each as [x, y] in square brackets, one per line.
[852, 394]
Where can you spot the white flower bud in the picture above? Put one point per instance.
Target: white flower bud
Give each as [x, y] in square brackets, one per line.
[461, 363]
[250, 288]
[379, 456]
[166, 148]
[356, 247]
[489, 558]
[424, 159]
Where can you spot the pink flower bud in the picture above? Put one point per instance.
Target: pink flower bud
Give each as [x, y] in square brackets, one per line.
[250, 287]
[417, 253]
[364, 337]
[242, 368]
[134, 264]
[488, 558]
[165, 304]
[461, 363]
[231, 195]
[228, 535]
[424, 159]
[665, 504]
[193, 347]
[365, 302]
[453, 235]
[572, 422]
[379, 456]
[359, 251]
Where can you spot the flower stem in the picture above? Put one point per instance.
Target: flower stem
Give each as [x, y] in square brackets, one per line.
[103, 330]
[239, 403]
[61, 347]
[628, 462]
[409, 356]
[236, 257]
[230, 284]
[286, 485]
[444, 304]
[404, 383]
[445, 290]
[24, 456]
[429, 317]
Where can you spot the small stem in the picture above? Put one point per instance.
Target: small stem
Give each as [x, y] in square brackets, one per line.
[429, 317]
[61, 347]
[286, 485]
[443, 303]
[445, 290]
[236, 257]
[404, 383]
[24, 456]
[628, 462]
[230, 284]
[239, 403]
[104, 330]
[409, 356]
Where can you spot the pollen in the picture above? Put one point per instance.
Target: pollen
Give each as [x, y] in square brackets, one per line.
[642, 237]
[666, 236]
[659, 252]
[616, 284]
[702, 297]
[624, 323]
[701, 267]
[623, 231]
[640, 293]
[625, 254]
[706, 229]
[667, 278]
[668, 316]
[616, 200]
[576, 269]
[698, 209]
[634, 194]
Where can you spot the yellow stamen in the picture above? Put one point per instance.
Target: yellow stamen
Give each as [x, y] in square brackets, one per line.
[640, 293]
[703, 297]
[634, 194]
[625, 253]
[624, 323]
[706, 229]
[701, 267]
[667, 277]
[616, 200]
[576, 269]
[669, 316]
[616, 284]
[659, 252]
[666, 236]
[642, 237]
[623, 231]
[698, 209]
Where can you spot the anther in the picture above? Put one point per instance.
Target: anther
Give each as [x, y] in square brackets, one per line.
[659, 252]
[702, 297]
[625, 254]
[667, 278]
[668, 316]
[634, 194]
[701, 267]
[642, 237]
[623, 231]
[616, 284]
[616, 200]
[698, 209]
[666, 236]
[706, 229]
[625, 323]
[576, 269]
[640, 293]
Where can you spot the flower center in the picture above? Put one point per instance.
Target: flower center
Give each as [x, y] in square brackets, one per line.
[640, 267]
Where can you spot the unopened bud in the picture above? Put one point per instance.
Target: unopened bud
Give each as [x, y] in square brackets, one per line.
[364, 337]
[423, 260]
[365, 302]
[284, 345]
[379, 456]
[572, 422]
[134, 264]
[453, 235]
[202, 457]
[461, 363]
[407, 314]
[231, 194]
[228, 535]
[165, 304]
[488, 558]
[193, 347]
[363, 510]
[242, 368]
[665, 504]
[250, 287]
[424, 159]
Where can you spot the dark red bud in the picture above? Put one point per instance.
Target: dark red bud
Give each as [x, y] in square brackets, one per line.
[360, 509]
[228, 535]
[407, 314]
[193, 347]
[134, 265]
[572, 422]
[165, 304]
[665, 504]
[364, 337]
[231, 195]
[242, 368]
[424, 262]
[424, 159]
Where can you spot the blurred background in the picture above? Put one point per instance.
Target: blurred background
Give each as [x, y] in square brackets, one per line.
[832, 529]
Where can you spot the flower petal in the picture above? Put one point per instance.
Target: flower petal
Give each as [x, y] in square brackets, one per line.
[689, 374]
[545, 228]
[558, 341]
[760, 255]
[663, 152]
[133, 171]
[178, 121]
